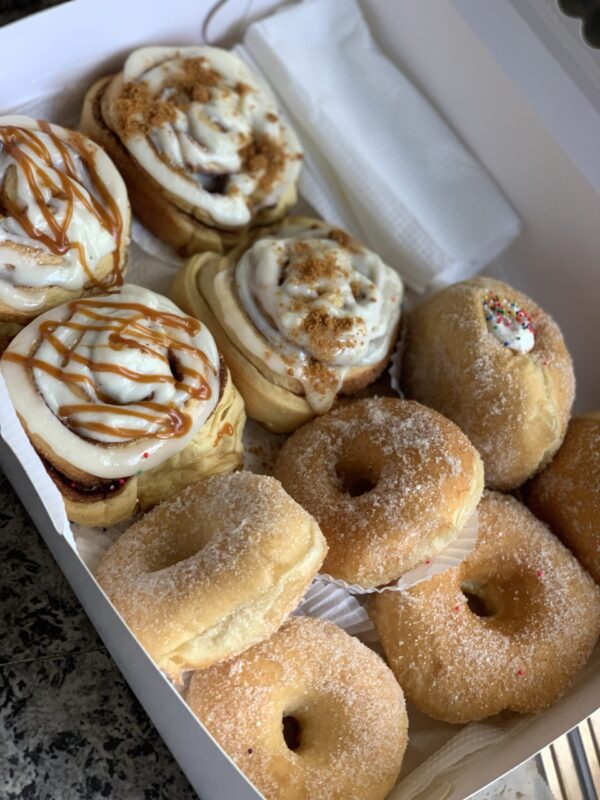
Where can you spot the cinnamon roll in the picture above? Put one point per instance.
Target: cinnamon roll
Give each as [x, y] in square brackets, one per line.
[126, 400]
[64, 220]
[200, 143]
[303, 315]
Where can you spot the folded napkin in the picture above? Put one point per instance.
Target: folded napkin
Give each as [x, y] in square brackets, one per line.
[379, 160]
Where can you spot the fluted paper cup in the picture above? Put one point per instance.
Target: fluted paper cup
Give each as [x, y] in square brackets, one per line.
[451, 556]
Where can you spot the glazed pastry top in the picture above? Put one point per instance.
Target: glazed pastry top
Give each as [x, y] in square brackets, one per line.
[206, 129]
[63, 208]
[114, 384]
[321, 301]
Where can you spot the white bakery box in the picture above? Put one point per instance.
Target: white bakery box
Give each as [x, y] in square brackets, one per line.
[520, 87]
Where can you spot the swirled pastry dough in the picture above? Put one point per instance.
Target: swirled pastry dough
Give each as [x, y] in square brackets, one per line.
[127, 371]
[302, 315]
[64, 217]
[200, 142]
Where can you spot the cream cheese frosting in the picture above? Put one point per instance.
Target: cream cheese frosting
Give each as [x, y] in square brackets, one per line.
[63, 207]
[509, 323]
[312, 303]
[206, 128]
[114, 384]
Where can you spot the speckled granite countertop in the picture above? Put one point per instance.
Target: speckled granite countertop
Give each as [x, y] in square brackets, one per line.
[70, 727]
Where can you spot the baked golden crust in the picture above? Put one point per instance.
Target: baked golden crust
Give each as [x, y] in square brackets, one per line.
[513, 406]
[273, 406]
[509, 628]
[276, 401]
[106, 503]
[184, 228]
[216, 448]
[389, 481]
[349, 712]
[566, 494]
[213, 570]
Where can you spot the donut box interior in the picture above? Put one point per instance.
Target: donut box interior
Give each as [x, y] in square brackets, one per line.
[457, 59]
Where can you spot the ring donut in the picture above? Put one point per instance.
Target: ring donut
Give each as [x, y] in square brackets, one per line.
[215, 569]
[310, 713]
[507, 629]
[566, 494]
[389, 481]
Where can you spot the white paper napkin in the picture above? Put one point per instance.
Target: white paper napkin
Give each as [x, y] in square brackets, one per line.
[379, 160]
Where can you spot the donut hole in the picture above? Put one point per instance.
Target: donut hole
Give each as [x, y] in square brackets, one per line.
[291, 730]
[355, 478]
[482, 598]
[164, 555]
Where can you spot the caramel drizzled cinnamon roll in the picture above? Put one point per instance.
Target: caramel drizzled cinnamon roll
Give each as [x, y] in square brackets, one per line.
[64, 219]
[302, 315]
[200, 142]
[123, 386]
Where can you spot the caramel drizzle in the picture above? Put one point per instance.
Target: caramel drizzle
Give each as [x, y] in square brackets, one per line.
[172, 421]
[106, 211]
[226, 430]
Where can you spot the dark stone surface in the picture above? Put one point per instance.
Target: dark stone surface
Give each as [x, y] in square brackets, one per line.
[70, 727]
[11, 10]
[41, 615]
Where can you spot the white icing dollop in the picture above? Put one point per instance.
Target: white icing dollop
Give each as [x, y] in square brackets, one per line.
[44, 175]
[198, 156]
[509, 323]
[133, 367]
[320, 301]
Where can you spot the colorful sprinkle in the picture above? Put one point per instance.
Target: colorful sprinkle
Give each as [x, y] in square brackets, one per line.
[510, 324]
[457, 608]
[539, 573]
[121, 481]
[520, 673]
[145, 455]
[250, 751]
[504, 313]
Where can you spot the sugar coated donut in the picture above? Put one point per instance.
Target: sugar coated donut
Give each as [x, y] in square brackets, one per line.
[389, 481]
[310, 713]
[507, 629]
[566, 494]
[212, 571]
[488, 358]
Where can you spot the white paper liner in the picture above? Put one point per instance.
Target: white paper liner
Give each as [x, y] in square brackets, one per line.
[451, 556]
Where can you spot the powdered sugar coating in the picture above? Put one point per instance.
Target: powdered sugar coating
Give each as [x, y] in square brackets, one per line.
[544, 619]
[566, 495]
[425, 480]
[350, 710]
[514, 407]
[213, 570]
